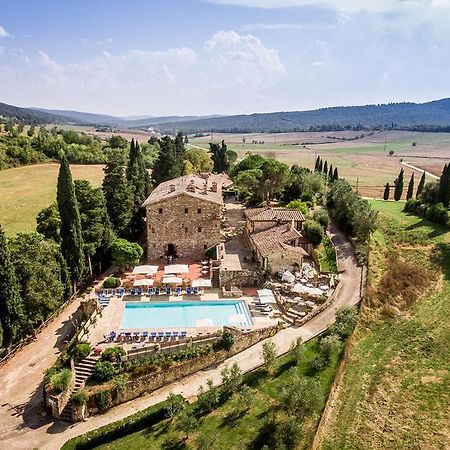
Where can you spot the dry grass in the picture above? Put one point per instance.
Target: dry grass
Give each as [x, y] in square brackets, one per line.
[24, 191]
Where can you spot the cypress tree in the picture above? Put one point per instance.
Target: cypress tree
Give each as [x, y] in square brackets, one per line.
[71, 240]
[320, 165]
[165, 167]
[180, 153]
[398, 186]
[410, 192]
[386, 191]
[335, 174]
[11, 308]
[330, 173]
[325, 168]
[444, 181]
[118, 195]
[316, 167]
[421, 185]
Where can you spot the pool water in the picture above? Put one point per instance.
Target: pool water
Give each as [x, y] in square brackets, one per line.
[186, 314]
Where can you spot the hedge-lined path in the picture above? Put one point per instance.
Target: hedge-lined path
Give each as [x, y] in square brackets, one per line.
[21, 428]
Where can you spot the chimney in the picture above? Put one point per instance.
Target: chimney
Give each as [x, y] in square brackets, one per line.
[172, 188]
[191, 186]
[214, 187]
[205, 187]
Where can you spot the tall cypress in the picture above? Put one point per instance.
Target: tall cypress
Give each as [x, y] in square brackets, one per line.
[71, 240]
[165, 167]
[316, 167]
[325, 168]
[335, 174]
[11, 308]
[320, 165]
[330, 173]
[444, 181]
[387, 189]
[410, 192]
[398, 191]
[180, 153]
[421, 185]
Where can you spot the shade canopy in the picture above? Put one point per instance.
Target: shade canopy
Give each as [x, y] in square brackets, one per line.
[262, 292]
[267, 299]
[288, 277]
[301, 289]
[144, 282]
[176, 268]
[172, 280]
[201, 282]
[145, 270]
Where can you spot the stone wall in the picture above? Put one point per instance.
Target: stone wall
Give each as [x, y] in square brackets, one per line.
[155, 380]
[191, 232]
[239, 278]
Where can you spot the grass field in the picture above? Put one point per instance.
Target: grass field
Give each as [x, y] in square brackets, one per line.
[24, 191]
[235, 425]
[395, 390]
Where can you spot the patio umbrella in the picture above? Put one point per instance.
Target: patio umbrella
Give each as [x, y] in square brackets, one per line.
[288, 277]
[172, 280]
[267, 299]
[176, 268]
[145, 270]
[144, 282]
[262, 292]
[201, 282]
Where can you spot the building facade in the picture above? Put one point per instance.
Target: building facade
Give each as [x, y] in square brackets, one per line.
[184, 217]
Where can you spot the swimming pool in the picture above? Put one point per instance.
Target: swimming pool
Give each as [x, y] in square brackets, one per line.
[185, 314]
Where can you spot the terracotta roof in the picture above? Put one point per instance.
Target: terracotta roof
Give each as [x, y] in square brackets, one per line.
[193, 185]
[273, 214]
[276, 239]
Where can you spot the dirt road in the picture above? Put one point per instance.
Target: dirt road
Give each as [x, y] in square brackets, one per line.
[21, 427]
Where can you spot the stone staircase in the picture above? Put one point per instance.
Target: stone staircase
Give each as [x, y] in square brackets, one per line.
[83, 370]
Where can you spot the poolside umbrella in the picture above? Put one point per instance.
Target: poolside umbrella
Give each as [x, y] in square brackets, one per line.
[288, 277]
[201, 282]
[145, 270]
[267, 299]
[144, 282]
[176, 268]
[172, 280]
[264, 292]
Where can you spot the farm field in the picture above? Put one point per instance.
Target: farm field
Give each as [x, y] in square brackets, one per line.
[364, 162]
[24, 191]
[395, 388]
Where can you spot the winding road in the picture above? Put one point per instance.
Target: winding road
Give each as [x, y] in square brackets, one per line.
[22, 426]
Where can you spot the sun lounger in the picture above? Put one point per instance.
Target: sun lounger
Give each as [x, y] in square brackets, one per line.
[175, 334]
[139, 291]
[161, 334]
[168, 335]
[168, 291]
[150, 291]
[178, 291]
[188, 290]
[184, 334]
[157, 291]
[153, 335]
[122, 292]
[195, 290]
[145, 335]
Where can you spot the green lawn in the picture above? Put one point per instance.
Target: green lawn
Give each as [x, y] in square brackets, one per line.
[24, 191]
[232, 424]
[395, 393]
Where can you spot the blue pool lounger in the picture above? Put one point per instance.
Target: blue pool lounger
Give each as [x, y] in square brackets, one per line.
[188, 290]
[157, 291]
[178, 291]
[150, 291]
[168, 291]
[153, 335]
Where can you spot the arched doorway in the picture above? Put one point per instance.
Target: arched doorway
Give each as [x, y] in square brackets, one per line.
[171, 250]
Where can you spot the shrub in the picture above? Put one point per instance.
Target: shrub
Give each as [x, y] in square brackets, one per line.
[438, 213]
[346, 318]
[225, 342]
[103, 400]
[175, 405]
[269, 354]
[112, 354]
[79, 398]
[313, 232]
[60, 381]
[104, 370]
[83, 350]
[111, 282]
[298, 204]
[321, 216]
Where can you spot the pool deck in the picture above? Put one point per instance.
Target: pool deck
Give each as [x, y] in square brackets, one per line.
[111, 317]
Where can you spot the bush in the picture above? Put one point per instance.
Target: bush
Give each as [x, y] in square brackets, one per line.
[79, 398]
[438, 213]
[225, 342]
[111, 282]
[103, 400]
[104, 370]
[298, 204]
[112, 354]
[313, 232]
[83, 350]
[321, 216]
[60, 381]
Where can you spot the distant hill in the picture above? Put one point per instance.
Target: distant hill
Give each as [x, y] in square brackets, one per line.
[31, 116]
[399, 115]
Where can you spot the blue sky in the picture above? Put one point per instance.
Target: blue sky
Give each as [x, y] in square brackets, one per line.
[164, 57]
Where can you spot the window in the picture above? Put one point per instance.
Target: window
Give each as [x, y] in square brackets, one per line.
[199, 210]
[205, 247]
[199, 229]
[153, 230]
[186, 210]
[160, 211]
[186, 230]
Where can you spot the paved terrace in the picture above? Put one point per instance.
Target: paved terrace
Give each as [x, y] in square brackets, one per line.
[22, 426]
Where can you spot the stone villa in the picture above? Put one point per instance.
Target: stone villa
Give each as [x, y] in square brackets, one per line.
[275, 237]
[184, 216]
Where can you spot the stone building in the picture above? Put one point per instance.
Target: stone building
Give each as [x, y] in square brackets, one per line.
[184, 216]
[274, 236]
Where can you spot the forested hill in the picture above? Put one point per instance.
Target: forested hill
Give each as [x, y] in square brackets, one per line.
[435, 114]
[31, 116]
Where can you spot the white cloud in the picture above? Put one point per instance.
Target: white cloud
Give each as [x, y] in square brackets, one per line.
[288, 26]
[4, 33]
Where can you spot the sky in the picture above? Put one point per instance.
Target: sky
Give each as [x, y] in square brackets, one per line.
[197, 57]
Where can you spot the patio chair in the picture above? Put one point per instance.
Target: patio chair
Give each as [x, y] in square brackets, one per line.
[168, 291]
[184, 334]
[139, 291]
[175, 334]
[188, 290]
[161, 335]
[150, 291]
[122, 292]
[178, 291]
[168, 335]
[157, 291]
[153, 335]
[136, 335]
[195, 291]
[132, 291]
[145, 335]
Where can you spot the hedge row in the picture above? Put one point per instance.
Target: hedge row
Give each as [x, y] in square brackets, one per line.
[108, 433]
